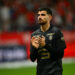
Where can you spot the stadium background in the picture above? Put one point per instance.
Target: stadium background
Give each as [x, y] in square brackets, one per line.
[18, 21]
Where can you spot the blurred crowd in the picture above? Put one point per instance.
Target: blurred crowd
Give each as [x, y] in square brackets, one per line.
[19, 15]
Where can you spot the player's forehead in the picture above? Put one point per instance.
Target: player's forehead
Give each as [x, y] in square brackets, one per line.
[42, 12]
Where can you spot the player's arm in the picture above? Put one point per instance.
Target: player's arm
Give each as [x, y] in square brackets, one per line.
[33, 48]
[56, 51]
[33, 53]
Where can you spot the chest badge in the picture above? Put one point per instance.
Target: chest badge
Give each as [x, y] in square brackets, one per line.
[50, 35]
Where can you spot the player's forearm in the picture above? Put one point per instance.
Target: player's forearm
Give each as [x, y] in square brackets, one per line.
[56, 53]
[33, 54]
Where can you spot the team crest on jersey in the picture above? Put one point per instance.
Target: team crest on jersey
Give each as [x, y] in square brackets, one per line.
[50, 35]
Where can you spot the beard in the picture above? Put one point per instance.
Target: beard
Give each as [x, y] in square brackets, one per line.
[41, 22]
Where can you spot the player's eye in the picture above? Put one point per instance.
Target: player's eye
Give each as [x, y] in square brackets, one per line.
[42, 14]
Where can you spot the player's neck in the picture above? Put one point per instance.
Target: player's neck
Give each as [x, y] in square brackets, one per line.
[45, 27]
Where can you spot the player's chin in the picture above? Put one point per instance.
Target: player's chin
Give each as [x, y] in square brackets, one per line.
[42, 23]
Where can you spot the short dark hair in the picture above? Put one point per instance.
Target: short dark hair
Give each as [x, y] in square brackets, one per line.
[49, 11]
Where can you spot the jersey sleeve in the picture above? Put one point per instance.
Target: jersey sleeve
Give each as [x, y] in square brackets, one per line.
[57, 49]
[33, 53]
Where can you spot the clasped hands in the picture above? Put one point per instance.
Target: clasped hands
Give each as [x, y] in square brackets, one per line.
[38, 41]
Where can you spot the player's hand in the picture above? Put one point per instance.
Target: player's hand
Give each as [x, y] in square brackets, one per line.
[35, 42]
[42, 41]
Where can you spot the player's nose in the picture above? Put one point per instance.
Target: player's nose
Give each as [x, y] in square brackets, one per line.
[40, 18]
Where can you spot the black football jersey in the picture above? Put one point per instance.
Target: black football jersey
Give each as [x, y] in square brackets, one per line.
[49, 57]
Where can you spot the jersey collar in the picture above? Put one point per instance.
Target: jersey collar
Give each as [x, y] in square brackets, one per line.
[48, 29]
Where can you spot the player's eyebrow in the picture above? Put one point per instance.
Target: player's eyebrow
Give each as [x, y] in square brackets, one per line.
[41, 14]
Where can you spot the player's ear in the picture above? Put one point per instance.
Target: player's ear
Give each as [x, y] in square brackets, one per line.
[50, 17]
